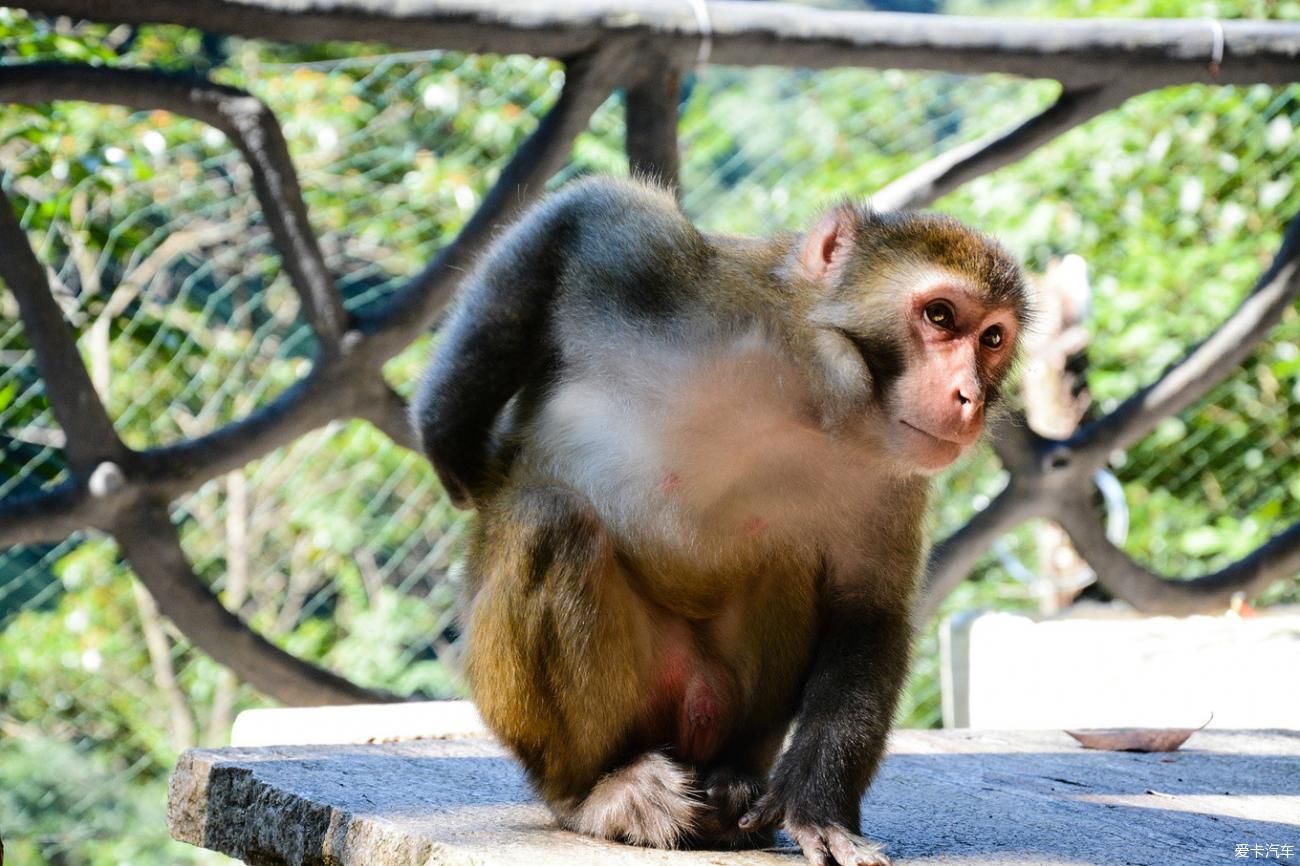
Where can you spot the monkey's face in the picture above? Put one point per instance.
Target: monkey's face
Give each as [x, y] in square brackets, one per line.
[917, 328]
[957, 348]
[919, 355]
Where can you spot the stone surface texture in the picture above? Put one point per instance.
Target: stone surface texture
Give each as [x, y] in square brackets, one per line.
[951, 797]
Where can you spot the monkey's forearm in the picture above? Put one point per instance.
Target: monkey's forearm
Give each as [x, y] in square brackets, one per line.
[847, 710]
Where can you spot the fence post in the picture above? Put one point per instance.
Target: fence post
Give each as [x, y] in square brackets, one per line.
[652, 123]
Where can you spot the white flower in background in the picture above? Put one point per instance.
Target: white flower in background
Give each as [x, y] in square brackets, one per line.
[77, 621]
[91, 660]
[154, 142]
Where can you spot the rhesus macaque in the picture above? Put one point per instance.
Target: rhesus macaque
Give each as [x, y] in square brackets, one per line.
[700, 465]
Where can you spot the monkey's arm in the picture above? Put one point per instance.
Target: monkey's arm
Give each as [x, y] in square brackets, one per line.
[848, 705]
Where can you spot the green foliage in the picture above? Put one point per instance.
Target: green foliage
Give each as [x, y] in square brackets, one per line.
[43, 781]
[857, 130]
[81, 645]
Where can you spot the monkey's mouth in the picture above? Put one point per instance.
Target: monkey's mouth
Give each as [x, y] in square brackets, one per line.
[927, 434]
[927, 452]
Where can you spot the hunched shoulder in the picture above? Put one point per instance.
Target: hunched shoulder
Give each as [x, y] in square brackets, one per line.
[629, 248]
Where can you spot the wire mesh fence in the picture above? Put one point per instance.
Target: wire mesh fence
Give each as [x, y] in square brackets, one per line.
[338, 546]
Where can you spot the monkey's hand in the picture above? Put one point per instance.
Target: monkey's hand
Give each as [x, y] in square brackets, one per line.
[728, 795]
[824, 841]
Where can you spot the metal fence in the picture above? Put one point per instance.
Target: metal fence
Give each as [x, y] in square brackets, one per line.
[337, 546]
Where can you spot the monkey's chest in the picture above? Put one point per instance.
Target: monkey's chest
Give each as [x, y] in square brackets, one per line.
[709, 457]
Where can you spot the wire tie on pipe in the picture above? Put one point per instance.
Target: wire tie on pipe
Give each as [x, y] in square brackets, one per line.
[705, 23]
[1216, 47]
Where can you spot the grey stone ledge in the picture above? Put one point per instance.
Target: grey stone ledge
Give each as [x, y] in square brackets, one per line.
[980, 798]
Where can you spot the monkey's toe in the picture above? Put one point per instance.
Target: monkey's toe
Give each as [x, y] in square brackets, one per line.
[730, 793]
[852, 850]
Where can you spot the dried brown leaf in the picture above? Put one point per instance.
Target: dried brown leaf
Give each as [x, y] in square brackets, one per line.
[1134, 739]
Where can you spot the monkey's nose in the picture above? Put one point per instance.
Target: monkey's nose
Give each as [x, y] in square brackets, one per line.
[970, 400]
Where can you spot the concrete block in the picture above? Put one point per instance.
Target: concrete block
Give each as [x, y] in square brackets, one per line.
[365, 723]
[1101, 666]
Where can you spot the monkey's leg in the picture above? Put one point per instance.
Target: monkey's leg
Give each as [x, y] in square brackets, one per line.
[770, 662]
[735, 781]
[560, 661]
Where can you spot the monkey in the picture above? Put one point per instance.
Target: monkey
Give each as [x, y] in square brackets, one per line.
[700, 466]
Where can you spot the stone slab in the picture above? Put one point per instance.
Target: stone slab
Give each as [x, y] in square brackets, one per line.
[943, 797]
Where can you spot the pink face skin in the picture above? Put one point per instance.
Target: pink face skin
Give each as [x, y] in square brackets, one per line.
[958, 345]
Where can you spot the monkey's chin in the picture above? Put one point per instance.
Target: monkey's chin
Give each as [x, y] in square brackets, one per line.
[923, 452]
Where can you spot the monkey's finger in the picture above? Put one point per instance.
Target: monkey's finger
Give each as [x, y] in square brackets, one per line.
[817, 856]
[814, 847]
[766, 812]
[849, 849]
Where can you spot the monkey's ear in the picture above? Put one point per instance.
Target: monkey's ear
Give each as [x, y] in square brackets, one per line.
[830, 244]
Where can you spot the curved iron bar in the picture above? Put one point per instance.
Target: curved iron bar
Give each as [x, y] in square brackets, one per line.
[1276, 558]
[1080, 53]
[246, 121]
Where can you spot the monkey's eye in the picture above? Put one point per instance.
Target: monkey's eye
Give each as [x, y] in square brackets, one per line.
[940, 314]
[992, 337]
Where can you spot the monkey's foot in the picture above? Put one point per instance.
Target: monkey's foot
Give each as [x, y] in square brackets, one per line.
[651, 801]
[728, 795]
[831, 843]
